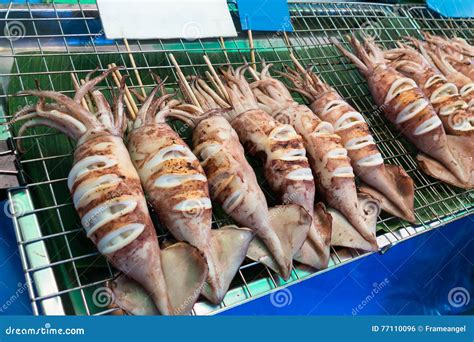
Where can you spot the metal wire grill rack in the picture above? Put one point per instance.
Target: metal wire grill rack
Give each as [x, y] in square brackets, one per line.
[64, 272]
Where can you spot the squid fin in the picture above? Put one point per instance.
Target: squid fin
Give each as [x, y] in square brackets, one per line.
[399, 194]
[344, 234]
[183, 286]
[316, 249]
[462, 150]
[185, 271]
[131, 297]
[291, 224]
[229, 246]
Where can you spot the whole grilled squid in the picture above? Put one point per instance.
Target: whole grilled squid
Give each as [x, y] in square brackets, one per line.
[108, 197]
[390, 184]
[177, 188]
[280, 230]
[446, 157]
[453, 111]
[328, 158]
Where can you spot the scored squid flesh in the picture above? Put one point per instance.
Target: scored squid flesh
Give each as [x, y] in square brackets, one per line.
[328, 158]
[453, 111]
[286, 166]
[438, 59]
[109, 199]
[177, 188]
[390, 184]
[445, 157]
[457, 52]
[281, 230]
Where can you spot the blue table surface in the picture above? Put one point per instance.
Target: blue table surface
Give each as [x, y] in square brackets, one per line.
[429, 274]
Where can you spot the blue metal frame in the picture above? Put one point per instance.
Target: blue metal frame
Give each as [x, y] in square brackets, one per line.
[417, 277]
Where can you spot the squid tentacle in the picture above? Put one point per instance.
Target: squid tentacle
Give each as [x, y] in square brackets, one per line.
[75, 109]
[91, 83]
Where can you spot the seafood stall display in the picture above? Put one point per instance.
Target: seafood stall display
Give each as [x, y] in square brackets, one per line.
[192, 176]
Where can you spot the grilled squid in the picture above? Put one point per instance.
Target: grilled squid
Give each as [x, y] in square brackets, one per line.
[438, 59]
[453, 111]
[177, 188]
[328, 157]
[458, 52]
[108, 197]
[286, 166]
[390, 184]
[232, 182]
[281, 230]
[446, 157]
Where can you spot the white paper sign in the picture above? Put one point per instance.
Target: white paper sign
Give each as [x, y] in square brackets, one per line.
[148, 19]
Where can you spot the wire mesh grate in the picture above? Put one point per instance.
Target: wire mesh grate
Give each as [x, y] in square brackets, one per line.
[62, 268]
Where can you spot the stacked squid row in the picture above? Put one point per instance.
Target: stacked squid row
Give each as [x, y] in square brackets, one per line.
[310, 154]
[428, 95]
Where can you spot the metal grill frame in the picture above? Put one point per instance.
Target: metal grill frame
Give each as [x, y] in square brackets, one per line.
[309, 19]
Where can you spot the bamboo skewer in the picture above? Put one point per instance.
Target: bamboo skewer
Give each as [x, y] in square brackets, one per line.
[252, 50]
[254, 74]
[132, 108]
[214, 83]
[134, 65]
[221, 40]
[76, 86]
[89, 102]
[222, 89]
[184, 82]
[287, 41]
[127, 91]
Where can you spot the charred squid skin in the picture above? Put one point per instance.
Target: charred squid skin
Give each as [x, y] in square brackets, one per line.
[174, 181]
[178, 190]
[412, 113]
[234, 186]
[331, 164]
[453, 110]
[284, 153]
[282, 150]
[114, 212]
[390, 184]
[328, 158]
[448, 158]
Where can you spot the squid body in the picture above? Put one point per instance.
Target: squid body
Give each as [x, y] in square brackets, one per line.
[177, 188]
[390, 184]
[108, 197]
[328, 159]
